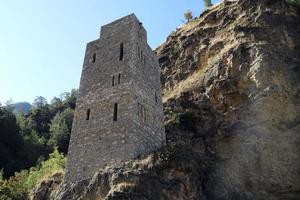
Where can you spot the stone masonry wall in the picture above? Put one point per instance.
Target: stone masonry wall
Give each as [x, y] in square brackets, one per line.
[139, 128]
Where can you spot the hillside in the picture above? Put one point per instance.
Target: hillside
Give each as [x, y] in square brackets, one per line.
[23, 107]
[232, 113]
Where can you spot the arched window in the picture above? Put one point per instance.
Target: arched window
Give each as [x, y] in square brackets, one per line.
[121, 51]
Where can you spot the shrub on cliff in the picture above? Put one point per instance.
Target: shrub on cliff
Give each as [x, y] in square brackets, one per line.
[18, 186]
[56, 163]
[207, 3]
[14, 188]
[188, 15]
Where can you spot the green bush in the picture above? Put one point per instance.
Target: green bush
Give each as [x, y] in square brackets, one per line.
[19, 186]
[55, 163]
[15, 187]
[297, 2]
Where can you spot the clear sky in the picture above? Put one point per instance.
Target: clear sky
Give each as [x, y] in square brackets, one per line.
[42, 43]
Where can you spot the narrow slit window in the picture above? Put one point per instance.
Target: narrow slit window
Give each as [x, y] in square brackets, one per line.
[142, 54]
[144, 115]
[94, 58]
[155, 96]
[119, 78]
[121, 51]
[113, 81]
[141, 110]
[115, 112]
[88, 112]
[139, 51]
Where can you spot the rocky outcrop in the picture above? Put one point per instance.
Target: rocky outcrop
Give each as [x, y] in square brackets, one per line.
[244, 57]
[232, 109]
[46, 188]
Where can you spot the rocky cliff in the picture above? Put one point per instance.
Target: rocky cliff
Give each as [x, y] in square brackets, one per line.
[232, 108]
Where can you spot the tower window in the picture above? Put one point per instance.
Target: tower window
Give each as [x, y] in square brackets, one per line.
[155, 96]
[94, 58]
[119, 78]
[115, 112]
[141, 112]
[88, 111]
[139, 52]
[113, 80]
[139, 109]
[121, 51]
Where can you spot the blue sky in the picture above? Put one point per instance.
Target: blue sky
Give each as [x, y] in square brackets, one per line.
[42, 43]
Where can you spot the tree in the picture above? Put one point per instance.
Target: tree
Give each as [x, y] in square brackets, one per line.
[18, 150]
[11, 143]
[27, 138]
[207, 3]
[295, 2]
[188, 15]
[60, 130]
[39, 120]
[20, 121]
[9, 105]
[57, 104]
[39, 102]
[69, 98]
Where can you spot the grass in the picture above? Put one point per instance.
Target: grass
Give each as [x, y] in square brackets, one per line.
[185, 85]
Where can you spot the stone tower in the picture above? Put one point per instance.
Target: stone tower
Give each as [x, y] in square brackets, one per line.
[119, 112]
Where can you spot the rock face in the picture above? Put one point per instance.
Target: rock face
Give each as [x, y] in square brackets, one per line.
[44, 190]
[244, 58]
[232, 109]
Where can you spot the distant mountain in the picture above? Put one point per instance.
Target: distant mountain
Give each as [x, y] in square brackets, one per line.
[21, 107]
